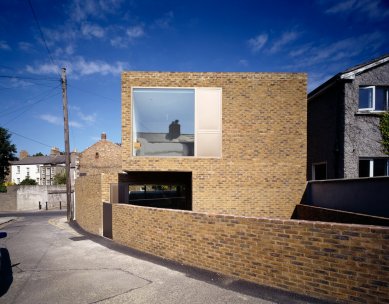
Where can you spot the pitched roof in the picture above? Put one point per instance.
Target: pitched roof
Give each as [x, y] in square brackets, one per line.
[42, 160]
[350, 73]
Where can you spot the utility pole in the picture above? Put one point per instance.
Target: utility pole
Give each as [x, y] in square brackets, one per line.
[69, 204]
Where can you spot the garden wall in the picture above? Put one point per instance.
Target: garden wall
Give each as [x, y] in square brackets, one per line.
[346, 263]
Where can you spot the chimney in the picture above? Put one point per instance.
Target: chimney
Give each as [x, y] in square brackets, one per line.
[54, 151]
[103, 136]
[23, 154]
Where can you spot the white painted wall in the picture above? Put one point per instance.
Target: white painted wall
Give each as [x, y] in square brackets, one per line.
[33, 170]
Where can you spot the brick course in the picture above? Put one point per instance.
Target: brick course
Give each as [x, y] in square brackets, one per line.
[102, 157]
[263, 146]
[346, 263]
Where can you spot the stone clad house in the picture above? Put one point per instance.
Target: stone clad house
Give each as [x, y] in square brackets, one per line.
[344, 140]
[102, 157]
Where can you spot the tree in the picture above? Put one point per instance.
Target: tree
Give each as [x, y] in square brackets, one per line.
[38, 154]
[7, 150]
[28, 181]
[60, 178]
[384, 128]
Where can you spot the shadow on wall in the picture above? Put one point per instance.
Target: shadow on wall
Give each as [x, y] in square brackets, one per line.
[356, 201]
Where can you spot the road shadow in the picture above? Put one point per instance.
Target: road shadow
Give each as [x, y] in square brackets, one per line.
[244, 287]
[6, 276]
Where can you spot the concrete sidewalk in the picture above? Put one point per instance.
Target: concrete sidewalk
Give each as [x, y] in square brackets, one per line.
[54, 262]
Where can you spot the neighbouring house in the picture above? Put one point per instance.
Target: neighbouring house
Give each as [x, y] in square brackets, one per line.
[42, 169]
[102, 157]
[344, 140]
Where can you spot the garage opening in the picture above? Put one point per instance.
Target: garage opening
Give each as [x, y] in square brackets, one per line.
[171, 190]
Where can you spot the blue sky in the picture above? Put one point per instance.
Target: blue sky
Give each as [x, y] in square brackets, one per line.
[96, 40]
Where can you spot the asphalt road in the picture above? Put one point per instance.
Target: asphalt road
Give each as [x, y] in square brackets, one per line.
[53, 262]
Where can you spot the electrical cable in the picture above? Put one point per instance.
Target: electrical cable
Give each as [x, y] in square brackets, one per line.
[28, 138]
[42, 36]
[41, 96]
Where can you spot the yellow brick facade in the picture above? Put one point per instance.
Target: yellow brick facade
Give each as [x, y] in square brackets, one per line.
[262, 168]
[345, 263]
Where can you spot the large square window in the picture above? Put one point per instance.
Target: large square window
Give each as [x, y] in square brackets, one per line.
[176, 122]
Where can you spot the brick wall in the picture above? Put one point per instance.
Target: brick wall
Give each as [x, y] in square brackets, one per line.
[347, 263]
[263, 142]
[102, 157]
[88, 194]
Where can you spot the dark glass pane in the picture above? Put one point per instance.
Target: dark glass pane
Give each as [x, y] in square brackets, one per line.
[364, 168]
[321, 171]
[380, 167]
[365, 98]
[380, 99]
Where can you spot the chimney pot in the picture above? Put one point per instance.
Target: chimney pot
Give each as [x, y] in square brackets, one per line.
[103, 136]
[23, 154]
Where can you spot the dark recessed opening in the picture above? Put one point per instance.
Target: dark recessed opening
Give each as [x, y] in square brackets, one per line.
[171, 190]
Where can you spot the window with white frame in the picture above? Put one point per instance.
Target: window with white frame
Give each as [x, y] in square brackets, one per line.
[370, 167]
[18, 169]
[374, 98]
[177, 122]
[28, 172]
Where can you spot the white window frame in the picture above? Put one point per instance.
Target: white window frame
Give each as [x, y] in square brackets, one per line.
[373, 109]
[17, 169]
[197, 130]
[371, 165]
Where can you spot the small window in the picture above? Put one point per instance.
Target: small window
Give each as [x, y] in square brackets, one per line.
[18, 169]
[374, 98]
[28, 172]
[373, 167]
[319, 171]
[18, 180]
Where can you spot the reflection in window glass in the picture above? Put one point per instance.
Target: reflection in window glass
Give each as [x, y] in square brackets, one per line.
[365, 98]
[163, 122]
[381, 98]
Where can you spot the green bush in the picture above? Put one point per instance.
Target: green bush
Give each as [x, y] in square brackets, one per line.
[28, 181]
[3, 188]
[384, 128]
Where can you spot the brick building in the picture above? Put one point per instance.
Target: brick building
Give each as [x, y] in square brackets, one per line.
[344, 140]
[102, 157]
[234, 143]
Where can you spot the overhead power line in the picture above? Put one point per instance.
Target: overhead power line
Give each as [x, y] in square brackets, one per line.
[29, 78]
[34, 140]
[41, 33]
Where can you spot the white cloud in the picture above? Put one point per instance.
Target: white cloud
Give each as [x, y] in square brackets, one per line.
[373, 9]
[92, 30]
[79, 67]
[25, 46]
[46, 68]
[257, 42]
[75, 124]
[135, 32]
[88, 118]
[283, 40]
[243, 62]
[81, 10]
[55, 120]
[165, 21]
[4, 45]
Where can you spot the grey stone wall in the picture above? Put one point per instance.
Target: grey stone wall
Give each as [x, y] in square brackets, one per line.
[362, 137]
[8, 201]
[20, 198]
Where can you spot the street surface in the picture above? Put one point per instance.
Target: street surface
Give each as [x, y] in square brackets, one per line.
[53, 262]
